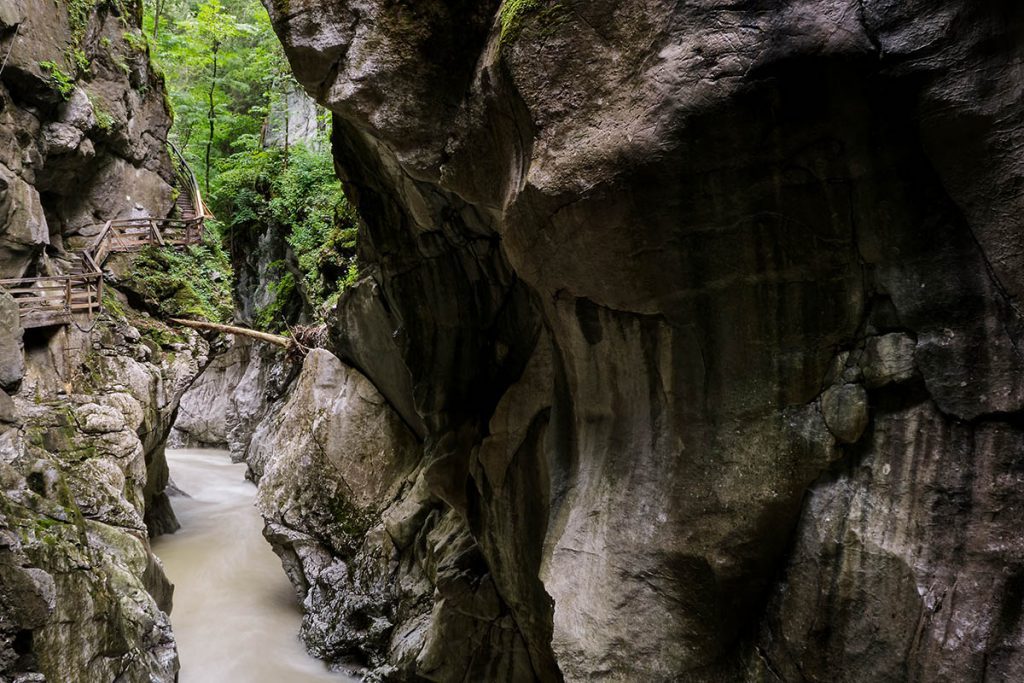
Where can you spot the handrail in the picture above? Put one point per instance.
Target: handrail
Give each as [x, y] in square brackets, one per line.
[74, 276]
[50, 300]
[192, 183]
[57, 302]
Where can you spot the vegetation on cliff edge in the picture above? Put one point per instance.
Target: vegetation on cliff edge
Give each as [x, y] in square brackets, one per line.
[186, 284]
[231, 91]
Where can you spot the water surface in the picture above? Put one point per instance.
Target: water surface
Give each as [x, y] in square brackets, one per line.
[235, 617]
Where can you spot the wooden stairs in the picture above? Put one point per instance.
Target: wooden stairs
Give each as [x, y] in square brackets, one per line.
[56, 299]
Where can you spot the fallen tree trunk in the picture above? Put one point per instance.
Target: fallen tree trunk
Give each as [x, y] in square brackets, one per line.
[276, 339]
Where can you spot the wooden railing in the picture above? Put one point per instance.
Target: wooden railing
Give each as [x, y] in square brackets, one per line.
[52, 300]
[187, 182]
[132, 234]
[44, 301]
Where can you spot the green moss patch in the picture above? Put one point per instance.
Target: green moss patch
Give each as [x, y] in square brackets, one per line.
[546, 16]
[512, 13]
[194, 282]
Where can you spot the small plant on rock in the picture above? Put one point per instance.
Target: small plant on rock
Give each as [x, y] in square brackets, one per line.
[62, 82]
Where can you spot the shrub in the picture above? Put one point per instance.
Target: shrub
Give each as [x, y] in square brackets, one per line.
[303, 200]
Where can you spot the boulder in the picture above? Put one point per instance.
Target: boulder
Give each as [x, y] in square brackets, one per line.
[888, 359]
[61, 138]
[845, 408]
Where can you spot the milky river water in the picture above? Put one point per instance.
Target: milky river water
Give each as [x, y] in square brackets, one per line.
[235, 616]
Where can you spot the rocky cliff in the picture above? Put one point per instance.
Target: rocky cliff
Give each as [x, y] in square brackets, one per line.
[84, 409]
[83, 122]
[83, 477]
[702, 323]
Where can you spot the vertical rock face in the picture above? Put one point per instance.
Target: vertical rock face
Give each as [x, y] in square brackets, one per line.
[12, 356]
[228, 402]
[202, 419]
[708, 322]
[83, 122]
[84, 410]
[295, 120]
[329, 460]
[82, 473]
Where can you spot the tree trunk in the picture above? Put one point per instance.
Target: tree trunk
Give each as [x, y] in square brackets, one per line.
[157, 11]
[276, 339]
[287, 125]
[211, 115]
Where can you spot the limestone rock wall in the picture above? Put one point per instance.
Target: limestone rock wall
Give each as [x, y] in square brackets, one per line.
[84, 409]
[708, 321]
[295, 120]
[330, 460]
[229, 400]
[83, 474]
[83, 122]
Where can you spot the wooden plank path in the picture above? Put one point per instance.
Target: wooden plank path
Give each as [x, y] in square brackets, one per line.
[56, 299]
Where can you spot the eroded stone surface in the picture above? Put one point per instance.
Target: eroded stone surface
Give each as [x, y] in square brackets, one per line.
[617, 254]
[82, 472]
[330, 459]
[12, 358]
[83, 477]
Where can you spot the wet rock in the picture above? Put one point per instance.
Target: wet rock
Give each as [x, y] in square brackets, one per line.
[885, 535]
[83, 482]
[203, 411]
[845, 408]
[10, 16]
[336, 430]
[8, 411]
[78, 111]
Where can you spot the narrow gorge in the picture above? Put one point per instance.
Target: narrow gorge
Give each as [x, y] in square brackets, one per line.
[620, 341]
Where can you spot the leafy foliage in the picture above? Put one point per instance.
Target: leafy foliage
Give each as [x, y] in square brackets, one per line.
[283, 290]
[155, 332]
[223, 64]
[136, 41]
[301, 197]
[104, 120]
[62, 82]
[79, 14]
[226, 73]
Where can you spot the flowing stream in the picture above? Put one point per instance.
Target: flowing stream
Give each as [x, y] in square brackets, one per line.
[235, 616]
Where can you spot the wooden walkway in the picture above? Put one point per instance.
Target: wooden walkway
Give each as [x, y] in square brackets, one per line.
[56, 299]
